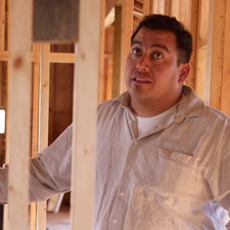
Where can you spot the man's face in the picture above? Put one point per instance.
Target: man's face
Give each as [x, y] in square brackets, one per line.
[152, 72]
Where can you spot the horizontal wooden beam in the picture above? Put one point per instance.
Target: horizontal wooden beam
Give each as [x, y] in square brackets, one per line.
[54, 57]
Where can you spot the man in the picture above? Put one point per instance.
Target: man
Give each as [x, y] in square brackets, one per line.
[162, 155]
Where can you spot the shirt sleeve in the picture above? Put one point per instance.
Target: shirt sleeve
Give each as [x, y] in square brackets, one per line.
[50, 171]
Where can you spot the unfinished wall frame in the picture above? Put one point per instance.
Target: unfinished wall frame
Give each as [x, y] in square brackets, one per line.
[210, 77]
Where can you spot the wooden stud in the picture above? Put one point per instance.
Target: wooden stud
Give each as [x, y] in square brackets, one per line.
[35, 120]
[101, 91]
[8, 29]
[109, 77]
[190, 19]
[225, 95]
[146, 7]
[2, 24]
[158, 6]
[217, 53]
[19, 110]
[43, 121]
[185, 8]
[117, 53]
[84, 118]
[202, 79]
[167, 7]
[109, 5]
[175, 8]
[126, 32]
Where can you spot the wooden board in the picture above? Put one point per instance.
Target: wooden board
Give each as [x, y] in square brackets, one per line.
[190, 21]
[126, 32]
[43, 121]
[225, 95]
[55, 20]
[202, 79]
[102, 88]
[2, 24]
[84, 118]
[19, 134]
[217, 53]
[117, 53]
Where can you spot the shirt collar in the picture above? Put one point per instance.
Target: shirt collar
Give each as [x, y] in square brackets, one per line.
[190, 105]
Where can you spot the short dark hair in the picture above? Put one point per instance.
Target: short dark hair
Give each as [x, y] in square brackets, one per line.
[163, 22]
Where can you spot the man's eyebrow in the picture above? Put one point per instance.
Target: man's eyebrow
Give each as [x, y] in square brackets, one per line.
[136, 42]
[160, 46]
[153, 45]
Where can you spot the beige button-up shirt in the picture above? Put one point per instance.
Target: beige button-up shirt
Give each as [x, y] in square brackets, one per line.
[176, 177]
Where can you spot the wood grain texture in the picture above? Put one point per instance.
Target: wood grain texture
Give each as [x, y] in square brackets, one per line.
[225, 94]
[217, 53]
[19, 114]
[126, 33]
[84, 117]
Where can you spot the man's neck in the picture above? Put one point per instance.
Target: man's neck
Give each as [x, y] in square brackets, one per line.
[146, 108]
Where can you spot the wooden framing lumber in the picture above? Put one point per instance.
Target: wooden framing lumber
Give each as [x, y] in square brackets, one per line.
[159, 7]
[202, 79]
[190, 20]
[217, 53]
[146, 7]
[19, 114]
[2, 24]
[109, 5]
[35, 121]
[55, 57]
[84, 118]
[126, 33]
[62, 58]
[225, 86]
[102, 88]
[117, 53]
[43, 121]
[175, 8]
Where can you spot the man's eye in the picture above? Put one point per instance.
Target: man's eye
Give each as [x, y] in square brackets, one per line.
[157, 55]
[136, 51]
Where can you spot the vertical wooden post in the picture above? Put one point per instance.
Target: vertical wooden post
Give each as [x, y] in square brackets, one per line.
[225, 95]
[159, 6]
[202, 79]
[190, 20]
[2, 24]
[217, 53]
[146, 7]
[101, 91]
[19, 114]
[175, 8]
[117, 52]
[126, 32]
[35, 121]
[43, 121]
[84, 118]
[8, 29]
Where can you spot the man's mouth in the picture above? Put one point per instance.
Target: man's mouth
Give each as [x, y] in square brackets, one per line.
[138, 79]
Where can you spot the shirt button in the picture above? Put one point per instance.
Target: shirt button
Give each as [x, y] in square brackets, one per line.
[114, 221]
[128, 168]
[121, 194]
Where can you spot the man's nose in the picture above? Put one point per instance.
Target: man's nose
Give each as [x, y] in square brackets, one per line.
[143, 64]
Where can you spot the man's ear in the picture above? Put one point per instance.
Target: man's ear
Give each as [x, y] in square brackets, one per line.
[184, 69]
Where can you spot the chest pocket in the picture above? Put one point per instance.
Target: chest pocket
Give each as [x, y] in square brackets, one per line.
[175, 174]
